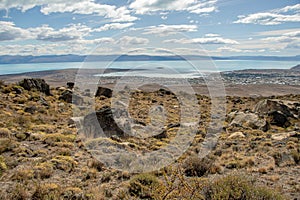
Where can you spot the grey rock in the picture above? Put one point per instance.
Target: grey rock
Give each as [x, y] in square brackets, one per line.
[102, 91]
[279, 119]
[69, 97]
[288, 108]
[252, 120]
[101, 124]
[35, 83]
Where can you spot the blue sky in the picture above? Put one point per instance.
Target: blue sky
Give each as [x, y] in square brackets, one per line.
[213, 27]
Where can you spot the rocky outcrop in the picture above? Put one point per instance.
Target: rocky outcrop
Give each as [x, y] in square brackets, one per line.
[102, 91]
[277, 118]
[35, 83]
[251, 120]
[69, 97]
[296, 68]
[70, 85]
[101, 124]
[288, 108]
[278, 112]
[285, 135]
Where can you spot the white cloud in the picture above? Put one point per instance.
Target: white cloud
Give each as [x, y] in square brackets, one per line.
[286, 40]
[45, 33]
[293, 34]
[278, 32]
[71, 32]
[193, 6]
[295, 7]
[9, 31]
[128, 40]
[212, 35]
[283, 39]
[293, 46]
[28, 4]
[164, 17]
[164, 30]
[272, 17]
[204, 10]
[85, 7]
[121, 14]
[204, 40]
[113, 26]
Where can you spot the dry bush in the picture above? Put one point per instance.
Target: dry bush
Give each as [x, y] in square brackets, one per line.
[46, 191]
[3, 166]
[195, 166]
[143, 185]
[5, 133]
[65, 163]
[237, 187]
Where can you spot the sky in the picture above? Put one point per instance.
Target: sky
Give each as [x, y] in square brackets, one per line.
[158, 27]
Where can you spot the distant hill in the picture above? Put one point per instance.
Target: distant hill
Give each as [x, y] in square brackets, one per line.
[296, 68]
[17, 59]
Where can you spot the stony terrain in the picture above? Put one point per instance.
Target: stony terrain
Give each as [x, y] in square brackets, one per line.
[43, 155]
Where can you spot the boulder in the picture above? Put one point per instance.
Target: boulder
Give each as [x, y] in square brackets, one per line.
[70, 85]
[284, 135]
[101, 124]
[279, 119]
[102, 91]
[69, 97]
[30, 109]
[75, 121]
[236, 135]
[163, 92]
[252, 120]
[35, 83]
[287, 108]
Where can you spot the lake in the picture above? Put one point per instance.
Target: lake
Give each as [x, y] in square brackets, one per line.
[154, 68]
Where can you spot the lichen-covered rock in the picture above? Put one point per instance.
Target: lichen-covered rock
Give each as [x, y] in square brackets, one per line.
[252, 120]
[35, 83]
[69, 97]
[101, 124]
[288, 108]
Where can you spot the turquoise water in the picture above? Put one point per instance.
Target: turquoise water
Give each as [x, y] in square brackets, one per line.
[154, 68]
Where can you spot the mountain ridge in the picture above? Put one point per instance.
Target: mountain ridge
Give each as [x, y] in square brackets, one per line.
[18, 59]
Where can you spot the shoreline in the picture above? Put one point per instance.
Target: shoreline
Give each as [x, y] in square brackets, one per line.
[236, 83]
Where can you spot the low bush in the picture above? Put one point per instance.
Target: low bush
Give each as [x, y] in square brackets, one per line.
[237, 187]
[3, 166]
[195, 166]
[65, 163]
[142, 186]
[46, 191]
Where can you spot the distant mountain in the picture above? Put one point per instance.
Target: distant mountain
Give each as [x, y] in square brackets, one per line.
[268, 58]
[8, 59]
[296, 68]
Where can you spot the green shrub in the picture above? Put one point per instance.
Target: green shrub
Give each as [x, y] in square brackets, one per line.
[43, 170]
[195, 166]
[142, 186]
[7, 144]
[5, 133]
[23, 174]
[46, 191]
[58, 139]
[65, 163]
[238, 188]
[3, 166]
[296, 156]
